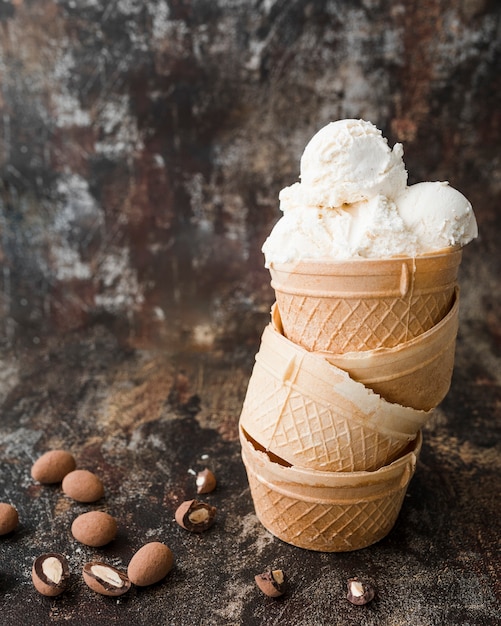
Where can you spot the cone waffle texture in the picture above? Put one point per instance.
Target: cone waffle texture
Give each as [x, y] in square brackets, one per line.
[313, 415]
[416, 373]
[327, 511]
[364, 304]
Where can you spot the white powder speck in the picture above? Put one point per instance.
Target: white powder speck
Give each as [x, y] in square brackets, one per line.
[120, 286]
[161, 13]
[203, 335]
[120, 132]
[9, 378]
[68, 264]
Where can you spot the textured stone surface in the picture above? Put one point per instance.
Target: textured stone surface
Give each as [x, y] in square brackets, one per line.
[145, 142]
[142, 419]
[143, 145]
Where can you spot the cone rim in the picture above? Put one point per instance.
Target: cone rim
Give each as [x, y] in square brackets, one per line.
[329, 374]
[295, 474]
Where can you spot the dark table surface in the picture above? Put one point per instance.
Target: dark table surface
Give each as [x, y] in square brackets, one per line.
[145, 415]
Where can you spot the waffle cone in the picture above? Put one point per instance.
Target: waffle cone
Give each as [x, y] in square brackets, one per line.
[415, 374]
[327, 511]
[312, 414]
[364, 304]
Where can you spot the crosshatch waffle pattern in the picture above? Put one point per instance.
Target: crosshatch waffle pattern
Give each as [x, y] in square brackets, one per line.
[325, 526]
[336, 493]
[310, 433]
[355, 324]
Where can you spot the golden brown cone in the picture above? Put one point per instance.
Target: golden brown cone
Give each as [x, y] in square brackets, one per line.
[364, 304]
[327, 511]
[415, 374]
[313, 415]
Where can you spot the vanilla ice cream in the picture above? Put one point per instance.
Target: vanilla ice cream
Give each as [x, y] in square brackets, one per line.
[350, 160]
[353, 201]
[437, 214]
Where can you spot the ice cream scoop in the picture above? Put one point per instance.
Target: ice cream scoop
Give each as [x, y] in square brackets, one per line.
[353, 202]
[348, 161]
[437, 214]
[372, 228]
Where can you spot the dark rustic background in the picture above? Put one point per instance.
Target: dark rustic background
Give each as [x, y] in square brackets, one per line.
[143, 146]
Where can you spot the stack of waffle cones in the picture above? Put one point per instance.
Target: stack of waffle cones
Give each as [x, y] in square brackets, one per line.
[355, 357]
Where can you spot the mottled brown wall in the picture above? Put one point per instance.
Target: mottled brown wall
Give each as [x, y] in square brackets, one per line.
[144, 142]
